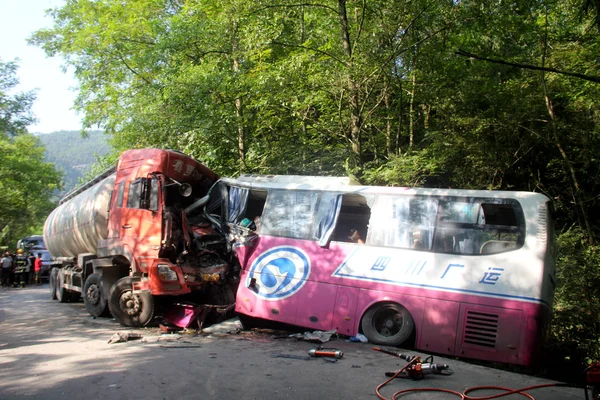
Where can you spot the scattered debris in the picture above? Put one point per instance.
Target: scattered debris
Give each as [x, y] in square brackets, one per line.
[124, 337]
[184, 314]
[169, 328]
[232, 325]
[359, 338]
[316, 336]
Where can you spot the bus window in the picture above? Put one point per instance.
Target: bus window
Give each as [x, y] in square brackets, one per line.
[404, 222]
[472, 226]
[355, 214]
[251, 213]
[289, 213]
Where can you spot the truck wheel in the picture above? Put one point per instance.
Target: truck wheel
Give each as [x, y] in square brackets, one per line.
[130, 309]
[93, 298]
[62, 294]
[52, 282]
[388, 324]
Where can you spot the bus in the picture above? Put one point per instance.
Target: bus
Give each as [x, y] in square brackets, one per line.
[466, 273]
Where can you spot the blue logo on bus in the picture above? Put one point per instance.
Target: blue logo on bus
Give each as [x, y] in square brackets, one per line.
[279, 272]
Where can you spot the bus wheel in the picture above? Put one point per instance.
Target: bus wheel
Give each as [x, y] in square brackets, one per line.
[130, 309]
[52, 282]
[93, 299]
[388, 324]
[248, 322]
[62, 293]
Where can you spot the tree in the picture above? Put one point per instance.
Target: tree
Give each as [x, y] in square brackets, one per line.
[27, 183]
[15, 111]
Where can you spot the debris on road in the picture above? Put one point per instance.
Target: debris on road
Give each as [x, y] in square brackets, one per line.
[124, 337]
[359, 338]
[315, 336]
[183, 314]
[232, 325]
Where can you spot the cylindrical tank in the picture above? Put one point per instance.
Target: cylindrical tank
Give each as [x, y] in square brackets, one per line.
[78, 224]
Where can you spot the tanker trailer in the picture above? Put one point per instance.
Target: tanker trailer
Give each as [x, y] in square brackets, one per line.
[137, 234]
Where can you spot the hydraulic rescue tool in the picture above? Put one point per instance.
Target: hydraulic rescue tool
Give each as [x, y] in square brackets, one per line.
[416, 369]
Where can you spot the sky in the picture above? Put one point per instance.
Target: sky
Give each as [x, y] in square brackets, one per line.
[55, 88]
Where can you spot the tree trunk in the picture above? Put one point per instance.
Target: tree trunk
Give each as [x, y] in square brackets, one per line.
[411, 112]
[241, 130]
[353, 91]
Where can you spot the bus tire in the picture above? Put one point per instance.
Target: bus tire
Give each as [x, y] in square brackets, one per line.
[93, 297]
[62, 294]
[52, 282]
[248, 323]
[388, 324]
[132, 310]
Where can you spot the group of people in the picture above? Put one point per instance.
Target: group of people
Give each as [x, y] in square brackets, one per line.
[20, 269]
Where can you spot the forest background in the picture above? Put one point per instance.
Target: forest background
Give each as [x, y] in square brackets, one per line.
[482, 94]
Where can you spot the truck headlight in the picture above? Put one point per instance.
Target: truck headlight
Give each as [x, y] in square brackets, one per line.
[166, 274]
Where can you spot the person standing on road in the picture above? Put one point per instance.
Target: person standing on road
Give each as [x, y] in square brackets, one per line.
[22, 267]
[5, 267]
[37, 268]
[31, 271]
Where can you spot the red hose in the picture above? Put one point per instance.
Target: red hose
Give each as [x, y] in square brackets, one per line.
[462, 395]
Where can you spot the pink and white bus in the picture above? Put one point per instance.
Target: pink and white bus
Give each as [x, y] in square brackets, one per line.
[467, 273]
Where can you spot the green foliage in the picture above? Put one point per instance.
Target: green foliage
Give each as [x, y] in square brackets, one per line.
[575, 329]
[27, 182]
[15, 110]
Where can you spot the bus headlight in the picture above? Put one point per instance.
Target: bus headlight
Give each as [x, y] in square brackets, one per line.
[165, 273]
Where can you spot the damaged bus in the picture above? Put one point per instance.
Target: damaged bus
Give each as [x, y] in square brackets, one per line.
[463, 273]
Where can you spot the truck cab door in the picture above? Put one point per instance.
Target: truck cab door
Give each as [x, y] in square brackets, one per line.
[140, 225]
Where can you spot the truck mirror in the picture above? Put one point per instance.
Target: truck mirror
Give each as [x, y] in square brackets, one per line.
[185, 189]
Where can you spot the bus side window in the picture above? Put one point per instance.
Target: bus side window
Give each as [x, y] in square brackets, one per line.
[289, 213]
[479, 226]
[406, 222]
[255, 204]
[353, 221]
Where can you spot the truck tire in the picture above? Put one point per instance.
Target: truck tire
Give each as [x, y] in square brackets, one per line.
[52, 282]
[388, 324]
[62, 294]
[132, 310]
[93, 297]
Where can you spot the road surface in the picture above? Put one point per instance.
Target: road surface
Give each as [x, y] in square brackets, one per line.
[57, 351]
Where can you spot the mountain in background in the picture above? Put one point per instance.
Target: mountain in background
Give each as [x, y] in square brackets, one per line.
[74, 154]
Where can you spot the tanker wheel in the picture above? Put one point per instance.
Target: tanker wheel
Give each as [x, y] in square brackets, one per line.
[93, 298]
[388, 324]
[130, 309]
[62, 294]
[52, 282]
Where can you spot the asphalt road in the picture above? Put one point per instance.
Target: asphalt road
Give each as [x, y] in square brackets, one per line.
[52, 351]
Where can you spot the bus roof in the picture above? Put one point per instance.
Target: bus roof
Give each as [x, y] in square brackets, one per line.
[346, 185]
